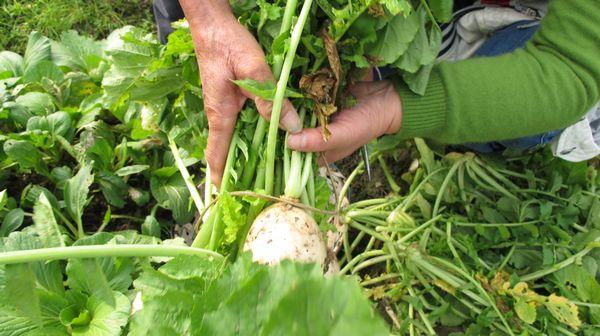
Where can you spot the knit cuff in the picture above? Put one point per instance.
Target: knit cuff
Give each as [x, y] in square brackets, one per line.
[422, 116]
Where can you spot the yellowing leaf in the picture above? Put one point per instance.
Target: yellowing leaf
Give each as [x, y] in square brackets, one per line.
[526, 311]
[445, 286]
[564, 310]
[499, 281]
[521, 290]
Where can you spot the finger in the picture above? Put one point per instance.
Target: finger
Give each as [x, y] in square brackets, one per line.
[219, 138]
[256, 68]
[222, 103]
[367, 88]
[349, 128]
[288, 117]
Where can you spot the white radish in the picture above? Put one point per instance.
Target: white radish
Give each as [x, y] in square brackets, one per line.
[283, 231]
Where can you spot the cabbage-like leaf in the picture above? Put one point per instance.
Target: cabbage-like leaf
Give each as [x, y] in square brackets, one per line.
[171, 192]
[77, 52]
[252, 299]
[12, 63]
[37, 50]
[395, 38]
[76, 193]
[45, 225]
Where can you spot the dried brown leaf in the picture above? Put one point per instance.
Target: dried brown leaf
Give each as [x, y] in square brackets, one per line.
[334, 61]
[319, 85]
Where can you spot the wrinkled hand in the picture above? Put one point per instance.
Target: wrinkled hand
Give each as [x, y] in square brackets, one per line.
[227, 51]
[378, 112]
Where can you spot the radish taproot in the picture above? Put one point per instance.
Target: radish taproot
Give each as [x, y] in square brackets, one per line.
[283, 231]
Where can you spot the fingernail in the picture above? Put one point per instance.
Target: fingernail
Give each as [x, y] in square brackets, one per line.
[295, 141]
[291, 122]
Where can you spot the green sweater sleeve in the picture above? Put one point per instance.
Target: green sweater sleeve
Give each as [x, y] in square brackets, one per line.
[548, 85]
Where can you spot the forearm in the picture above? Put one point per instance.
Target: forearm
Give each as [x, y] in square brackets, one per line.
[546, 86]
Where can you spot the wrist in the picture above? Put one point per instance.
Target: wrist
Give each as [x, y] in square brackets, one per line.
[394, 104]
[204, 14]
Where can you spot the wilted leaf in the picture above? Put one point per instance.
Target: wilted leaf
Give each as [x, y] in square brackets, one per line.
[320, 86]
[563, 310]
[334, 63]
[445, 286]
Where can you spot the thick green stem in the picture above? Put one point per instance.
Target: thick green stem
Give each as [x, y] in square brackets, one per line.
[293, 182]
[280, 95]
[207, 186]
[307, 169]
[189, 181]
[439, 198]
[556, 267]
[310, 187]
[98, 251]
[388, 175]
[261, 125]
[211, 231]
[286, 24]
[278, 178]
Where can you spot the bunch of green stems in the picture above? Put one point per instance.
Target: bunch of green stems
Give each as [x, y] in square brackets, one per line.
[391, 240]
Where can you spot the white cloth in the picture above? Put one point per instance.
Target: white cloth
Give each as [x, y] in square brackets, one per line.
[580, 142]
[473, 29]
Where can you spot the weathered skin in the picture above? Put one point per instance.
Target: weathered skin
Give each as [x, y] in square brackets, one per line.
[285, 232]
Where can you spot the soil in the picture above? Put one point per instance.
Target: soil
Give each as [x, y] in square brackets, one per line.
[363, 188]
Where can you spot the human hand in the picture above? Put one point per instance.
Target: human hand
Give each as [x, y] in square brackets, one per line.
[378, 112]
[227, 51]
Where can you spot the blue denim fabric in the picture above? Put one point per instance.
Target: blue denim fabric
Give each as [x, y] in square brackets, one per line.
[505, 40]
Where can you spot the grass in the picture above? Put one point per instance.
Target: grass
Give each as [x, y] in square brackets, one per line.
[97, 18]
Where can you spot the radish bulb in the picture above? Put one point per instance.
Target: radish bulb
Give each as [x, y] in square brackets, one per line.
[283, 231]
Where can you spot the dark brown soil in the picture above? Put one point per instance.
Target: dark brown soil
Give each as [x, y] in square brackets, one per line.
[363, 188]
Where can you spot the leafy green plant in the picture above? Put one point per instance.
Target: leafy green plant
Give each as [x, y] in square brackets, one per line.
[471, 236]
[109, 135]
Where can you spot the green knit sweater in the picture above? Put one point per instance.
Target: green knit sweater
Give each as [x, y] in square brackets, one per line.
[548, 85]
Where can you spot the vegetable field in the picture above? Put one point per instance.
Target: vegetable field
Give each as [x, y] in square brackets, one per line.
[109, 224]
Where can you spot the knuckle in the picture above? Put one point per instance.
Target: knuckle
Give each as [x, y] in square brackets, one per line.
[265, 107]
[315, 141]
[216, 125]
